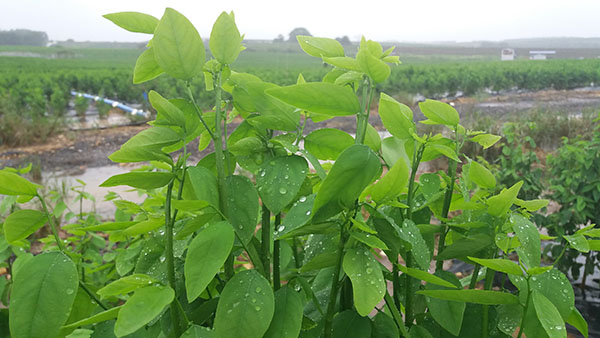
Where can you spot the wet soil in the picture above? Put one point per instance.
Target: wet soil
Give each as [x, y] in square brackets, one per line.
[78, 150]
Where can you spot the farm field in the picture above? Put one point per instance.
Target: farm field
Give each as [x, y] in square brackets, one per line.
[297, 190]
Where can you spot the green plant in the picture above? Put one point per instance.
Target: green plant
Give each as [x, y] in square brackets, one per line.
[81, 105]
[574, 171]
[103, 109]
[519, 162]
[191, 262]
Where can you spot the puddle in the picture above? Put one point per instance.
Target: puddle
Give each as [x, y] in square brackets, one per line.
[93, 177]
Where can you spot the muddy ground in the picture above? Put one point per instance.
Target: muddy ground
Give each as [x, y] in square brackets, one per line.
[72, 152]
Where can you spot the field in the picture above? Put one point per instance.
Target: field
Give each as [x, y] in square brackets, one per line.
[343, 203]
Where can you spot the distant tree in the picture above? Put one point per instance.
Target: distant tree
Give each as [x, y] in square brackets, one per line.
[23, 37]
[279, 38]
[298, 31]
[344, 40]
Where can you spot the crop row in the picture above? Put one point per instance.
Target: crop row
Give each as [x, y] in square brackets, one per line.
[36, 86]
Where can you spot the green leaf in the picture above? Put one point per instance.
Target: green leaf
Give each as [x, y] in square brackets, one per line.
[296, 217]
[500, 204]
[484, 297]
[376, 69]
[417, 331]
[246, 306]
[368, 285]
[13, 184]
[486, 140]
[577, 321]
[320, 47]
[439, 112]
[140, 180]
[425, 276]
[279, 181]
[196, 331]
[420, 251]
[319, 97]
[251, 97]
[384, 327]
[354, 169]
[549, 316]
[509, 318]
[97, 318]
[498, 264]
[205, 257]
[225, 41]
[320, 261]
[531, 205]
[349, 324]
[143, 306]
[578, 242]
[390, 185]
[449, 314]
[200, 184]
[372, 138]
[126, 285]
[138, 154]
[392, 150]
[396, 117]
[555, 286]
[594, 244]
[146, 67]
[42, 295]
[368, 239]
[22, 223]
[445, 150]
[327, 143]
[481, 175]
[242, 206]
[146, 145]
[287, 320]
[468, 246]
[344, 62]
[167, 110]
[178, 48]
[134, 21]
[529, 237]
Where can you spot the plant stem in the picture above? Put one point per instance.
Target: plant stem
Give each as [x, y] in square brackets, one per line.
[170, 259]
[53, 226]
[439, 264]
[301, 132]
[219, 144]
[297, 262]
[198, 112]
[334, 286]
[396, 283]
[409, 295]
[218, 140]
[92, 295]
[395, 314]
[276, 250]
[362, 117]
[474, 276]
[489, 279]
[525, 310]
[266, 241]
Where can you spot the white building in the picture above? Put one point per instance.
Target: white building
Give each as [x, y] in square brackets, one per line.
[508, 54]
[540, 54]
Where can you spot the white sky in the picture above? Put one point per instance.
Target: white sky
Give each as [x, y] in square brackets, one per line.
[400, 20]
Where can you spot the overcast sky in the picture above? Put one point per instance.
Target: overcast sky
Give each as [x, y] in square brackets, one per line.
[399, 20]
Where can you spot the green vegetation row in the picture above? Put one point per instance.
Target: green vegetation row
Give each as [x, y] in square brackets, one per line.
[253, 242]
[38, 85]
